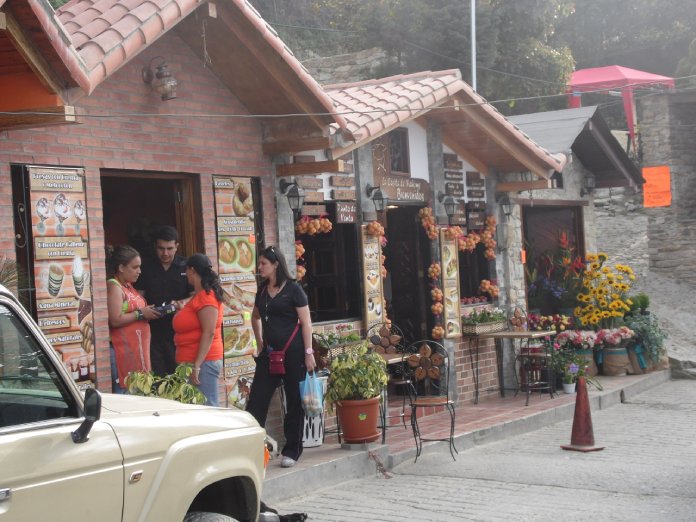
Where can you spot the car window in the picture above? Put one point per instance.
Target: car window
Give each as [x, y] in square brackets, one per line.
[30, 388]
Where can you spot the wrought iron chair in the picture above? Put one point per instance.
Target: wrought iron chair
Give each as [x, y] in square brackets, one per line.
[388, 340]
[427, 363]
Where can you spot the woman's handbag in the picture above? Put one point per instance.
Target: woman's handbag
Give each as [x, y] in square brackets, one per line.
[312, 391]
[276, 364]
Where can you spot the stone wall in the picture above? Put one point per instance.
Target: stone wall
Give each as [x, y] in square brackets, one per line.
[668, 137]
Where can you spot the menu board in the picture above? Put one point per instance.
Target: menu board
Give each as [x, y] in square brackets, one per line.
[450, 286]
[61, 267]
[236, 240]
[374, 305]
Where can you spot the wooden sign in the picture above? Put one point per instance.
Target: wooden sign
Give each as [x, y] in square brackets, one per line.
[312, 183]
[314, 197]
[451, 314]
[459, 217]
[343, 195]
[480, 194]
[474, 179]
[454, 189]
[476, 205]
[342, 181]
[346, 212]
[476, 224]
[451, 161]
[313, 210]
[402, 189]
[454, 175]
[475, 214]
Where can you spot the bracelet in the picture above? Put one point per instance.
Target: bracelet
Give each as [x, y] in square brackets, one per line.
[309, 351]
[138, 315]
[196, 369]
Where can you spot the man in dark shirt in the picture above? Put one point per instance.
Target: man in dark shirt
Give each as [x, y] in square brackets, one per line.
[162, 281]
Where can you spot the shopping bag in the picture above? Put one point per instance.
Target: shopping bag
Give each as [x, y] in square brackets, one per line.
[312, 392]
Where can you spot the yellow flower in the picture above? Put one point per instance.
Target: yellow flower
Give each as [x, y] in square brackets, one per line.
[602, 256]
[632, 277]
[615, 296]
[592, 257]
[629, 302]
[606, 314]
[605, 270]
[603, 303]
[594, 266]
[620, 278]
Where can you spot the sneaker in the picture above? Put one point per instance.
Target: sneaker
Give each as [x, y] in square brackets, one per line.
[287, 462]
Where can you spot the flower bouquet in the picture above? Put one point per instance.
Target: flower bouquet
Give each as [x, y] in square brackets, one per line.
[557, 322]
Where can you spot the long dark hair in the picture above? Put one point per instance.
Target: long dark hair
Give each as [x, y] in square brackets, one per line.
[120, 255]
[273, 254]
[210, 281]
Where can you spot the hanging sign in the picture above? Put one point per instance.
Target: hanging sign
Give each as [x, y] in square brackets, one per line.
[234, 208]
[374, 305]
[346, 212]
[452, 320]
[62, 267]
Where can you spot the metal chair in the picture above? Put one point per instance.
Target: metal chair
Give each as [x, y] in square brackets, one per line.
[398, 377]
[427, 363]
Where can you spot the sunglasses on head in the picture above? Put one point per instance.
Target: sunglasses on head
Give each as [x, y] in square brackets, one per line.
[270, 254]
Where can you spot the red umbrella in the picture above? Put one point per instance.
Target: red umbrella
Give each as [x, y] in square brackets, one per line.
[615, 77]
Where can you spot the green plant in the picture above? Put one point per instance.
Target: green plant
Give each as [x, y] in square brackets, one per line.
[356, 374]
[649, 335]
[640, 302]
[484, 315]
[175, 386]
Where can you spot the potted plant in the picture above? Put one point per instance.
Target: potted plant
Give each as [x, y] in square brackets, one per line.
[484, 320]
[356, 380]
[175, 386]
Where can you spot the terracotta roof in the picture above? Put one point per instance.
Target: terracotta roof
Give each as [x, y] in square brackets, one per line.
[94, 38]
[471, 126]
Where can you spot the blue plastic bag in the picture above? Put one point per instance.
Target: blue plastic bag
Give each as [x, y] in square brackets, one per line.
[312, 391]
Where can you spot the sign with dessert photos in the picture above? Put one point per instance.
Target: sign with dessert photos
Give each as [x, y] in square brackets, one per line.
[236, 242]
[374, 305]
[451, 313]
[62, 267]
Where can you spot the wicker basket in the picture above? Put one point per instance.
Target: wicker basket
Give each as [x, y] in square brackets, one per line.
[481, 328]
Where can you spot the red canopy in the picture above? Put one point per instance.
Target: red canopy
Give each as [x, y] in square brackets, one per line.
[615, 77]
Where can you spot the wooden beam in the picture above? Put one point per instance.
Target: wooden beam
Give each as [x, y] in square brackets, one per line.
[551, 202]
[518, 186]
[318, 167]
[48, 116]
[297, 145]
[33, 57]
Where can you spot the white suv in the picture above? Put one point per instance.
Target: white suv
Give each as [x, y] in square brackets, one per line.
[65, 457]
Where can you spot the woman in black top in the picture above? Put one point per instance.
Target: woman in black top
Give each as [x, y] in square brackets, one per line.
[280, 304]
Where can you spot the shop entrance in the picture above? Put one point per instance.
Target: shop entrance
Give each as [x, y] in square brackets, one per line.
[405, 286]
[135, 204]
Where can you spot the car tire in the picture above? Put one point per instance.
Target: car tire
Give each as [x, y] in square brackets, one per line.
[204, 516]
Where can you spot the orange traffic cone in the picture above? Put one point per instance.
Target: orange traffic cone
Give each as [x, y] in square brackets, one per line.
[582, 438]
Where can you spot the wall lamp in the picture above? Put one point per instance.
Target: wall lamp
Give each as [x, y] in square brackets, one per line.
[506, 205]
[588, 186]
[295, 195]
[449, 203]
[160, 80]
[375, 194]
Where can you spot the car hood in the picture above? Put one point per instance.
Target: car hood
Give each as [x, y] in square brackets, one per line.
[148, 425]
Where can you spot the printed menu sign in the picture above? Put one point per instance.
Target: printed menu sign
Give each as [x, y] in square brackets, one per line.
[372, 279]
[450, 286]
[61, 267]
[236, 240]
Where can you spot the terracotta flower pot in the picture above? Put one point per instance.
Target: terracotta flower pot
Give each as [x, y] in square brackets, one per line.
[359, 420]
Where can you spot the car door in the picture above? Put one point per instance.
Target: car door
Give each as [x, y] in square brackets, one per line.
[44, 475]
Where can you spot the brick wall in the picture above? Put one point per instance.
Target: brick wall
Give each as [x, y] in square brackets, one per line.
[183, 141]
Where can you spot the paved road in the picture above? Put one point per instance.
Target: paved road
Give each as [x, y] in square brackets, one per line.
[646, 473]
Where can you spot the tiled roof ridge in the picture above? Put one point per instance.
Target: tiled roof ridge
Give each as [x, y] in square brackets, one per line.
[395, 78]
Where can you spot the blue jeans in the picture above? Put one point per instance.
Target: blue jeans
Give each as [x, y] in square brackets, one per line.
[115, 386]
[209, 377]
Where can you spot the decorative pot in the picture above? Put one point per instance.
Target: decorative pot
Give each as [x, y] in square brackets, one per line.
[568, 387]
[359, 420]
[616, 361]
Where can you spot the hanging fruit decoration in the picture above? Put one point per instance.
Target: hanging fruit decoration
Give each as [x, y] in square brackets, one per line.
[299, 260]
[313, 226]
[467, 243]
[454, 233]
[486, 287]
[428, 221]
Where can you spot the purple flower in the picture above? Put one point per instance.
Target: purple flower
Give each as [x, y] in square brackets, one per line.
[573, 368]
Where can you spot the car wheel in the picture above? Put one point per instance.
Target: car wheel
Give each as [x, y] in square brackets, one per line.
[204, 516]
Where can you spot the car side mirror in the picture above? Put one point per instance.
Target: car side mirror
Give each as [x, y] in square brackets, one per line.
[92, 406]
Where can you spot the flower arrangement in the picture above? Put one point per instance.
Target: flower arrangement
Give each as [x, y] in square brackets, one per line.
[577, 339]
[603, 293]
[484, 314]
[557, 322]
[614, 336]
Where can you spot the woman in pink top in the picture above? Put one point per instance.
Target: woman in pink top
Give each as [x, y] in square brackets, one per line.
[198, 328]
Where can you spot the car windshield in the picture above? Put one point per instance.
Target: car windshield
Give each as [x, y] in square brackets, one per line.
[30, 388]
